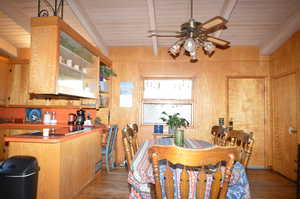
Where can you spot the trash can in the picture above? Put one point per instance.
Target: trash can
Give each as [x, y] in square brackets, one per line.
[18, 178]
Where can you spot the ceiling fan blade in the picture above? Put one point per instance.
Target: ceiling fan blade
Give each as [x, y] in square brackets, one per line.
[214, 23]
[217, 41]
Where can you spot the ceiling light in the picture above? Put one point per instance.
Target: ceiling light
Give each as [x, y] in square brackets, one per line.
[193, 34]
[175, 48]
[209, 47]
[189, 45]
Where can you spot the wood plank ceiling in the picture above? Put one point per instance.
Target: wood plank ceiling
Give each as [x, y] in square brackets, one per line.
[126, 22]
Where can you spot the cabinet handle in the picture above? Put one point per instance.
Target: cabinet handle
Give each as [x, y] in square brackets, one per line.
[8, 98]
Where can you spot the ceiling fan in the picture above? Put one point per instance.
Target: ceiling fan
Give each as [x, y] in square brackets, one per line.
[193, 34]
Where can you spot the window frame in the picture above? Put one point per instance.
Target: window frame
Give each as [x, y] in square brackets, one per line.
[167, 101]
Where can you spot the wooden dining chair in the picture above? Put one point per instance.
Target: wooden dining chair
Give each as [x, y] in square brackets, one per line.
[218, 135]
[130, 149]
[244, 141]
[134, 134]
[193, 162]
[109, 147]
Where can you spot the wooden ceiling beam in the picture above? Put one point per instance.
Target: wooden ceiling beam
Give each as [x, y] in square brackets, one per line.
[7, 6]
[283, 33]
[226, 11]
[84, 20]
[151, 14]
[8, 49]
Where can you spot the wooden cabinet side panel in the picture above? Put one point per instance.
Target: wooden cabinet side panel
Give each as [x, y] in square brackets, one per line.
[78, 162]
[44, 59]
[48, 156]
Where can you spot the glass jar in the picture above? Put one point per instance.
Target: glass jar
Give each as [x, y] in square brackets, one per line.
[179, 138]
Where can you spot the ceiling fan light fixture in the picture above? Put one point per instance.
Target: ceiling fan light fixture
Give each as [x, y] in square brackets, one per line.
[190, 45]
[209, 47]
[194, 34]
[193, 55]
[175, 48]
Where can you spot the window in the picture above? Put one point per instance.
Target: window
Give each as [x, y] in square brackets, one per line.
[169, 95]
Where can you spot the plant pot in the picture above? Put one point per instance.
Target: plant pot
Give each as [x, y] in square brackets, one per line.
[179, 138]
[172, 130]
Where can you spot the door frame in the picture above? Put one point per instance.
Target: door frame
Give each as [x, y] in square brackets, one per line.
[268, 151]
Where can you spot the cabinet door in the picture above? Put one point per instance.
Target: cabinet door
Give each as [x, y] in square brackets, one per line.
[18, 91]
[3, 147]
[4, 82]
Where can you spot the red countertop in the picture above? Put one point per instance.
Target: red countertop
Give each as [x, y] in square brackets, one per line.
[17, 125]
[50, 139]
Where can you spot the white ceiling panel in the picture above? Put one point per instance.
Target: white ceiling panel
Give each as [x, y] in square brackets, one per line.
[126, 22]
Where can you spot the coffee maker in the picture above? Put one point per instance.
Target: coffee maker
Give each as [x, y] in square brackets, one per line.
[72, 117]
[80, 117]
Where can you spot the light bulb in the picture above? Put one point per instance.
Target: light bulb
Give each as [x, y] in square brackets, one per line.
[174, 49]
[190, 45]
[209, 47]
[193, 55]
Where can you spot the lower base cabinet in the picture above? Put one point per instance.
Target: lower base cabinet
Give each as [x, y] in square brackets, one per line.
[65, 167]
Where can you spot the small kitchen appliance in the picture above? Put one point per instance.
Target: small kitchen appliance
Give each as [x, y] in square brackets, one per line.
[72, 117]
[80, 117]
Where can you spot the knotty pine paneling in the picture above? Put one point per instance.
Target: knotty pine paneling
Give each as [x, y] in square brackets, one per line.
[209, 73]
[284, 72]
[286, 60]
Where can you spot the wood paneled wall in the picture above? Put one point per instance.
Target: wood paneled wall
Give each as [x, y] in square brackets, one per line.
[285, 109]
[210, 75]
[286, 60]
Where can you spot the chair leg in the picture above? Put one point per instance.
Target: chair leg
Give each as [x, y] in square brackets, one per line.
[112, 162]
[107, 163]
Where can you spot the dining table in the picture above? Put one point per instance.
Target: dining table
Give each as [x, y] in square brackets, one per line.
[140, 175]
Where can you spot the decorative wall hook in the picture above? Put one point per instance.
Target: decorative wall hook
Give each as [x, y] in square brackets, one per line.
[48, 8]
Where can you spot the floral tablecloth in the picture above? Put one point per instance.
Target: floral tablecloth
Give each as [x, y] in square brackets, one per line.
[140, 174]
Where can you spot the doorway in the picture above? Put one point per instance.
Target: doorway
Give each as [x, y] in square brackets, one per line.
[246, 97]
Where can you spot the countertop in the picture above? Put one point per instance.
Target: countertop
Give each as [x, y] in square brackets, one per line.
[52, 138]
[58, 125]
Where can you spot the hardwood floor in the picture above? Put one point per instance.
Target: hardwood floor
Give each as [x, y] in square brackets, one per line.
[270, 185]
[263, 185]
[111, 185]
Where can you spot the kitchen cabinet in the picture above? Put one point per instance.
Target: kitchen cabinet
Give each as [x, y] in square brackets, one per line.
[73, 156]
[4, 80]
[3, 150]
[62, 61]
[18, 84]
[105, 91]
[9, 132]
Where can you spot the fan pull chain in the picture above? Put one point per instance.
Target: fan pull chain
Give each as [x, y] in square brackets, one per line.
[191, 9]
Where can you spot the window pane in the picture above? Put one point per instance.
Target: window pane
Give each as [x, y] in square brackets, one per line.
[152, 111]
[168, 89]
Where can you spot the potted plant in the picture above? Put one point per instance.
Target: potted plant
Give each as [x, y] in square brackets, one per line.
[174, 122]
[106, 72]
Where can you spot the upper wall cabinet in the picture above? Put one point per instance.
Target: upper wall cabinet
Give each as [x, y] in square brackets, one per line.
[62, 61]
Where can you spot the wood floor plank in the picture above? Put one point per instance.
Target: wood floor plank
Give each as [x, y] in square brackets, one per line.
[264, 184]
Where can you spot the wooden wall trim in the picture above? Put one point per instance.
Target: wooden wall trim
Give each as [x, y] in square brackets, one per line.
[284, 74]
